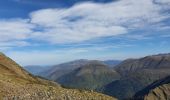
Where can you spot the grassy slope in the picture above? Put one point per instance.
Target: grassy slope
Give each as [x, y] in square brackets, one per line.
[90, 77]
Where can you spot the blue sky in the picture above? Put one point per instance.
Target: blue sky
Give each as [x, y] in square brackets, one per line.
[48, 32]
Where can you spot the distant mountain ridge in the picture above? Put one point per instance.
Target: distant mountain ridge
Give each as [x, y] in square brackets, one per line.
[56, 71]
[122, 80]
[35, 69]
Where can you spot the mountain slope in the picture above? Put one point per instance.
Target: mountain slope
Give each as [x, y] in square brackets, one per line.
[128, 85]
[149, 62]
[58, 70]
[160, 93]
[90, 76]
[9, 67]
[17, 84]
[137, 74]
[158, 90]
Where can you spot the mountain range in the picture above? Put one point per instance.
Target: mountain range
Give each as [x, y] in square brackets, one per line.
[88, 74]
[18, 84]
[123, 80]
[53, 72]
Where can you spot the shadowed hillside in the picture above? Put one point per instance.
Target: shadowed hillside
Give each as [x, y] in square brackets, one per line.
[136, 74]
[159, 90]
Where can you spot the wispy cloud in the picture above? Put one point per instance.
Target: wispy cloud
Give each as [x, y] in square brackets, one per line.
[15, 29]
[85, 21]
[89, 20]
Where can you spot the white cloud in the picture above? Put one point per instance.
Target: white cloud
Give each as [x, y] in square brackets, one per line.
[14, 33]
[84, 21]
[64, 35]
[89, 20]
[14, 29]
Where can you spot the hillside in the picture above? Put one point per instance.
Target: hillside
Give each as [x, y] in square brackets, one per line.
[161, 61]
[10, 68]
[59, 70]
[17, 84]
[157, 90]
[137, 74]
[56, 71]
[90, 76]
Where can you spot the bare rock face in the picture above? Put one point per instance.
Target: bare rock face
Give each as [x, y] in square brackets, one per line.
[17, 84]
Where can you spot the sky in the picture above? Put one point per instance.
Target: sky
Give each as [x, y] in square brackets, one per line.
[49, 32]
